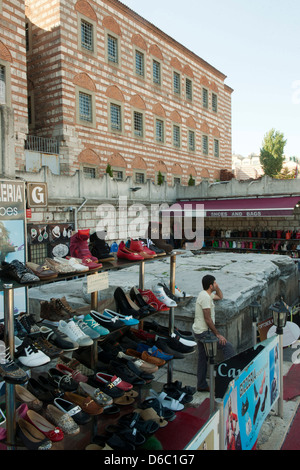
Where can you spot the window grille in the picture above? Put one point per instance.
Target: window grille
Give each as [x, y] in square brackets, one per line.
[191, 140]
[205, 98]
[140, 178]
[87, 35]
[159, 130]
[2, 85]
[85, 107]
[189, 89]
[216, 148]
[118, 175]
[115, 116]
[176, 136]
[138, 124]
[156, 73]
[139, 63]
[205, 144]
[176, 83]
[214, 102]
[112, 48]
[89, 172]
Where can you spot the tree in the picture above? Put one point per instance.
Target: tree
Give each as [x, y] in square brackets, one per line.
[271, 153]
[160, 179]
[109, 170]
[191, 181]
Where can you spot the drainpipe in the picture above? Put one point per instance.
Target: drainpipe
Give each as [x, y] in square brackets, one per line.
[76, 210]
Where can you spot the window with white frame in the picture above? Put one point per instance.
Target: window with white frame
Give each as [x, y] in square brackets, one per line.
[159, 131]
[2, 85]
[189, 89]
[138, 124]
[139, 63]
[87, 36]
[216, 148]
[176, 136]
[191, 141]
[115, 117]
[205, 144]
[112, 49]
[214, 104]
[205, 98]
[176, 83]
[85, 107]
[156, 72]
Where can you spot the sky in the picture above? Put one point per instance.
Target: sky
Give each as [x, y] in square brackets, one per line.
[256, 44]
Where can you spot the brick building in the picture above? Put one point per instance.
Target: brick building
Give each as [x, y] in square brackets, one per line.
[110, 87]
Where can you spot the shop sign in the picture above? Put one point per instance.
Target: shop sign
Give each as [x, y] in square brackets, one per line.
[250, 398]
[208, 437]
[97, 282]
[37, 194]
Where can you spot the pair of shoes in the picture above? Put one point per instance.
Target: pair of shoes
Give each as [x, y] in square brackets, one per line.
[182, 389]
[125, 305]
[42, 271]
[18, 271]
[61, 380]
[55, 434]
[111, 324]
[125, 372]
[46, 347]
[79, 248]
[59, 268]
[87, 263]
[56, 310]
[139, 363]
[137, 246]
[127, 320]
[162, 411]
[124, 253]
[28, 322]
[74, 411]
[43, 389]
[72, 331]
[152, 300]
[27, 353]
[177, 394]
[164, 331]
[145, 356]
[62, 420]
[130, 434]
[31, 437]
[75, 364]
[135, 421]
[85, 328]
[95, 325]
[76, 375]
[153, 247]
[136, 297]
[99, 248]
[9, 370]
[166, 401]
[87, 404]
[112, 385]
[130, 365]
[57, 338]
[161, 295]
[154, 351]
[164, 346]
[73, 263]
[174, 344]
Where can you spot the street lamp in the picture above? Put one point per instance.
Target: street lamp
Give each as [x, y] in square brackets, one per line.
[255, 311]
[280, 313]
[210, 343]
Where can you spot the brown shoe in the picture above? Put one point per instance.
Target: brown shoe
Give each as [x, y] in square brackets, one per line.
[87, 404]
[50, 312]
[63, 305]
[42, 271]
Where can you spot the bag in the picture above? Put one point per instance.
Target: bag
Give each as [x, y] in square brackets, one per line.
[288, 235]
[298, 236]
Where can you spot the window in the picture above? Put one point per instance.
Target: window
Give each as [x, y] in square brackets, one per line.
[176, 83]
[176, 136]
[89, 172]
[189, 89]
[159, 130]
[156, 72]
[2, 85]
[138, 124]
[85, 107]
[115, 117]
[139, 63]
[191, 141]
[87, 40]
[176, 180]
[214, 102]
[139, 178]
[112, 49]
[205, 144]
[216, 148]
[205, 98]
[118, 175]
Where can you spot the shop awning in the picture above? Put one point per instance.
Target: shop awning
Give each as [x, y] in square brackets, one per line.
[247, 207]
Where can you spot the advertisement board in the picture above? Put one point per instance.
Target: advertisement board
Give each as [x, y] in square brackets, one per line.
[250, 398]
[12, 233]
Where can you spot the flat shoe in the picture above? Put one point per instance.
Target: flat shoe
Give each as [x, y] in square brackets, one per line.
[62, 420]
[25, 396]
[124, 400]
[150, 413]
[166, 401]
[87, 404]
[32, 438]
[53, 433]
[79, 416]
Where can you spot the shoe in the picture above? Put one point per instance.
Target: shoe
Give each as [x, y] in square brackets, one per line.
[9, 370]
[75, 374]
[122, 304]
[139, 363]
[75, 364]
[42, 271]
[180, 294]
[125, 373]
[145, 356]
[136, 246]
[92, 333]
[61, 380]
[152, 300]
[73, 263]
[95, 393]
[177, 394]
[127, 320]
[166, 401]
[31, 437]
[28, 322]
[112, 385]
[59, 268]
[91, 264]
[162, 412]
[176, 345]
[44, 392]
[162, 297]
[124, 253]
[51, 313]
[99, 248]
[146, 376]
[25, 396]
[156, 249]
[46, 347]
[164, 346]
[58, 339]
[18, 271]
[28, 354]
[94, 325]
[111, 324]
[79, 247]
[138, 299]
[178, 386]
[62, 420]
[79, 416]
[154, 351]
[63, 305]
[51, 432]
[168, 291]
[87, 404]
[74, 333]
[135, 421]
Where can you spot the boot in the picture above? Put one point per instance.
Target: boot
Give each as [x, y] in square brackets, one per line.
[99, 248]
[79, 247]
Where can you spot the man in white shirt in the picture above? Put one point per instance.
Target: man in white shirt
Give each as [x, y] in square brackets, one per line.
[204, 321]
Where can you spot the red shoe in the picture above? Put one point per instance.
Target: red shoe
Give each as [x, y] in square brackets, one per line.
[54, 433]
[91, 264]
[124, 253]
[113, 379]
[76, 375]
[139, 247]
[141, 334]
[79, 246]
[150, 298]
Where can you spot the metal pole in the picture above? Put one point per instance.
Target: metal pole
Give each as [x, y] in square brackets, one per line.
[10, 343]
[171, 315]
[211, 387]
[142, 276]
[94, 347]
[254, 333]
[280, 400]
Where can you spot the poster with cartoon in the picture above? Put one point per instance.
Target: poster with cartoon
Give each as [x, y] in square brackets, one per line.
[12, 234]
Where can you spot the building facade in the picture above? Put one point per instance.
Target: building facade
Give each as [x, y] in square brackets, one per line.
[111, 88]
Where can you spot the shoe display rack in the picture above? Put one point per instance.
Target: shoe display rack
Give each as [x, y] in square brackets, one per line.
[9, 334]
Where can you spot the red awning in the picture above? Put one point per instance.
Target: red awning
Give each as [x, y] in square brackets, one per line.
[253, 207]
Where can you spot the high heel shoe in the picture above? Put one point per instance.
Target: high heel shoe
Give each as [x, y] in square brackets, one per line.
[137, 297]
[122, 304]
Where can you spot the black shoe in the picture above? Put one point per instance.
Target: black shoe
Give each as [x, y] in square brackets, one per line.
[111, 324]
[123, 306]
[40, 391]
[143, 375]
[18, 271]
[99, 248]
[136, 296]
[10, 371]
[122, 371]
[57, 338]
[163, 345]
[61, 380]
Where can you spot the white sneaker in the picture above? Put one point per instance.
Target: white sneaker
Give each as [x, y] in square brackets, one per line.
[28, 354]
[162, 297]
[74, 333]
[178, 293]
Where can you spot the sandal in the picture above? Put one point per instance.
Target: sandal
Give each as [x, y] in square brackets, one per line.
[187, 389]
[150, 414]
[124, 400]
[166, 401]
[179, 395]
[154, 403]
[134, 420]
[131, 435]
